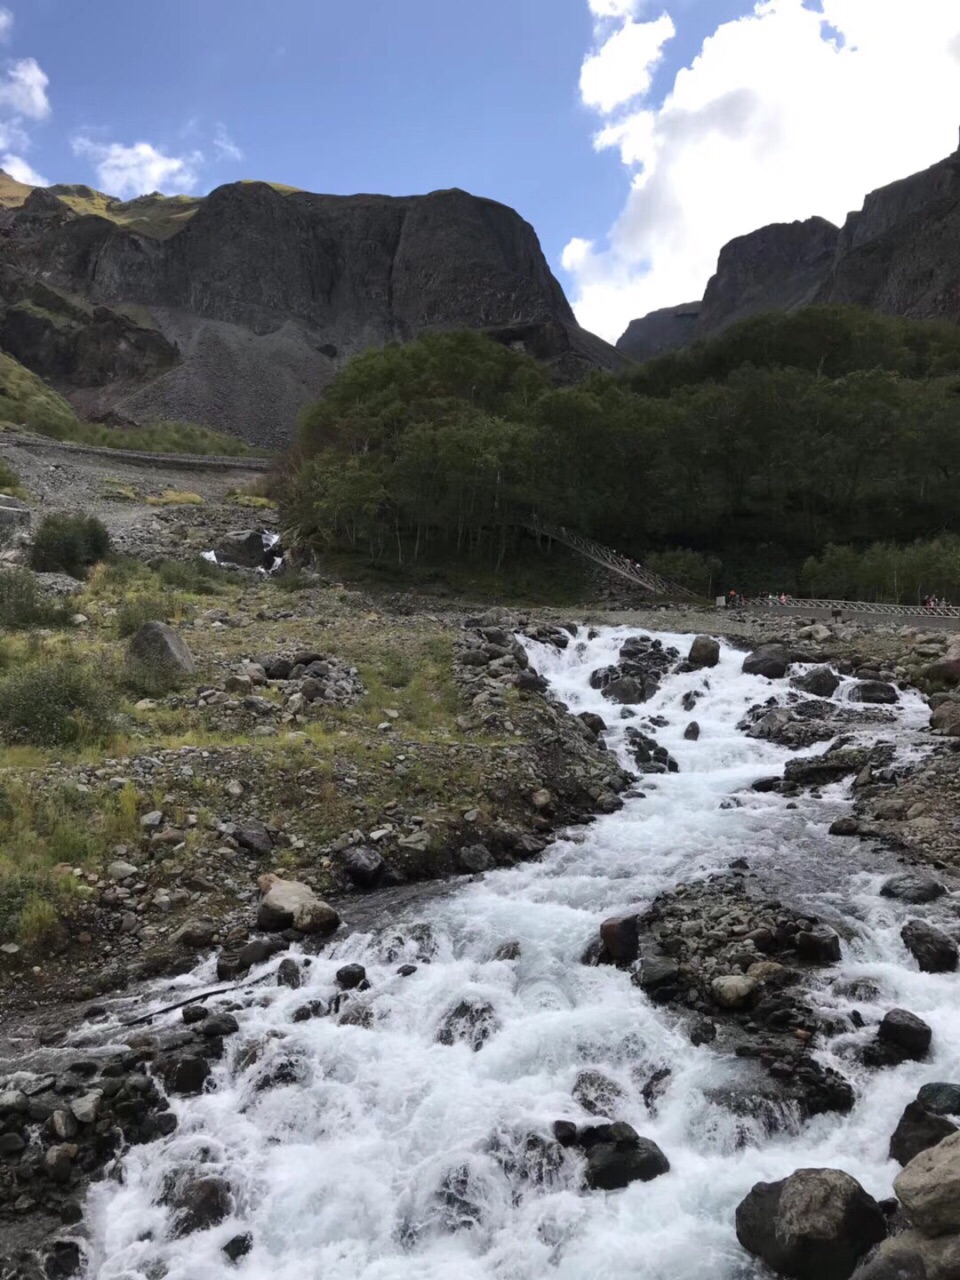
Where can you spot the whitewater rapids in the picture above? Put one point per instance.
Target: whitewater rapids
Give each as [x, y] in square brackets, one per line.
[337, 1176]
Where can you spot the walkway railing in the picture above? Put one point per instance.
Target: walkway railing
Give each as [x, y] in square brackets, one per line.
[859, 606]
[638, 574]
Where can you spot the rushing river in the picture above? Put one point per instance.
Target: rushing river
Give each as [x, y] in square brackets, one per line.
[338, 1175]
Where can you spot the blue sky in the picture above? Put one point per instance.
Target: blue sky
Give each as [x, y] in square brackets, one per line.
[405, 96]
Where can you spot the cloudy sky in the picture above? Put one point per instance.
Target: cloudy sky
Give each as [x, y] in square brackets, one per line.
[636, 135]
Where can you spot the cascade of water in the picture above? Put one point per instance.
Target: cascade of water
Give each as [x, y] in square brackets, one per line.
[390, 1156]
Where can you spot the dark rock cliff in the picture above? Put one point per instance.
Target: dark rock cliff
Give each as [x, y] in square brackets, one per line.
[900, 254]
[660, 331]
[263, 293]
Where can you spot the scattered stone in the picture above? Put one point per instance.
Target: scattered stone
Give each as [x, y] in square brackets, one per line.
[351, 976]
[288, 974]
[201, 1203]
[159, 647]
[819, 946]
[254, 837]
[814, 1225]
[692, 732]
[733, 991]
[195, 934]
[364, 867]
[121, 870]
[597, 1093]
[847, 826]
[186, 1075]
[238, 1247]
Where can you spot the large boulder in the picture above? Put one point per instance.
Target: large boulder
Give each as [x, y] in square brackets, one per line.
[917, 1130]
[288, 904]
[929, 1188]
[617, 1156]
[770, 660]
[875, 692]
[912, 1256]
[907, 1034]
[820, 682]
[945, 672]
[932, 949]
[912, 886]
[243, 547]
[946, 719]
[620, 938]
[626, 690]
[704, 652]
[159, 647]
[940, 1097]
[814, 1225]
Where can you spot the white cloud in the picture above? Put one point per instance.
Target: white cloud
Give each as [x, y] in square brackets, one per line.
[23, 90]
[20, 171]
[6, 25]
[224, 145]
[615, 8]
[623, 66]
[138, 169]
[785, 113]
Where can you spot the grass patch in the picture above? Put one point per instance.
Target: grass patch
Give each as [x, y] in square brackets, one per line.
[24, 605]
[59, 703]
[198, 577]
[134, 611]
[69, 544]
[117, 491]
[175, 498]
[9, 480]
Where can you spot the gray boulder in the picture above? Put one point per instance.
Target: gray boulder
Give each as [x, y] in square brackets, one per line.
[941, 1098]
[912, 886]
[911, 1256]
[704, 652]
[917, 1130]
[288, 904]
[903, 1031]
[821, 682]
[159, 647]
[929, 1188]
[932, 949]
[617, 1156]
[770, 660]
[243, 547]
[875, 692]
[814, 1225]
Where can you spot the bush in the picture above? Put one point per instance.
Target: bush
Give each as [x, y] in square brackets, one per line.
[23, 604]
[56, 704]
[136, 610]
[69, 544]
[198, 577]
[9, 480]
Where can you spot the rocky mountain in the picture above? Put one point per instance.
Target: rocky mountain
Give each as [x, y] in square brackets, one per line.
[900, 254]
[236, 309]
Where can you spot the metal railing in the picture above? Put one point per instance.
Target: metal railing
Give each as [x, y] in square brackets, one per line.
[859, 606]
[637, 573]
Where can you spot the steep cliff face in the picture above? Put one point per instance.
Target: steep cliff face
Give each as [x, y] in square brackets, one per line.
[660, 331]
[264, 292]
[778, 268]
[900, 254]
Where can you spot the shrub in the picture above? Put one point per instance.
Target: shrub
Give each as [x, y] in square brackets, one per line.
[23, 604]
[175, 498]
[69, 544]
[56, 704]
[9, 480]
[199, 577]
[136, 610]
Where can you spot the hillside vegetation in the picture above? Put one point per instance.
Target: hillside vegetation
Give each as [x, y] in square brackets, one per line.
[752, 453]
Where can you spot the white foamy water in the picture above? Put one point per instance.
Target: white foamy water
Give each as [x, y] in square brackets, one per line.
[339, 1175]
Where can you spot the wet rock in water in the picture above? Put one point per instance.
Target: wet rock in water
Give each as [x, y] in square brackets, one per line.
[932, 949]
[913, 887]
[596, 724]
[288, 904]
[703, 1031]
[627, 691]
[650, 757]
[906, 1034]
[617, 1156]
[847, 826]
[201, 1203]
[692, 732]
[64, 1260]
[597, 1093]
[657, 974]
[194, 1013]
[912, 1256]
[288, 974]
[941, 1098]
[733, 991]
[917, 1130]
[158, 647]
[620, 938]
[351, 976]
[655, 1087]
[818, 946]
[704, 652]
[238, 1247]
[769, 660]
[220, 1024]
[565, 1132]
[186, 1075]
[876, 692]
[364, 867]
[929, 1188]
[817, 771]
[814, 1225]
[508, 951]
[471, 1021]
[766, 785]
[821, 682]
[475, 859]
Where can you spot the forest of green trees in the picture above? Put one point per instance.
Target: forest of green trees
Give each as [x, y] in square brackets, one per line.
[813, 451]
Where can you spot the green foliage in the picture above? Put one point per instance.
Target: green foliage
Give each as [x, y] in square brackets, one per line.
[69, 544]
[9, 480]
[54, 704]
[886, 571]
[135, 610]
[24, 605]
[198, 577]
[832, 425]
[27, 401]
